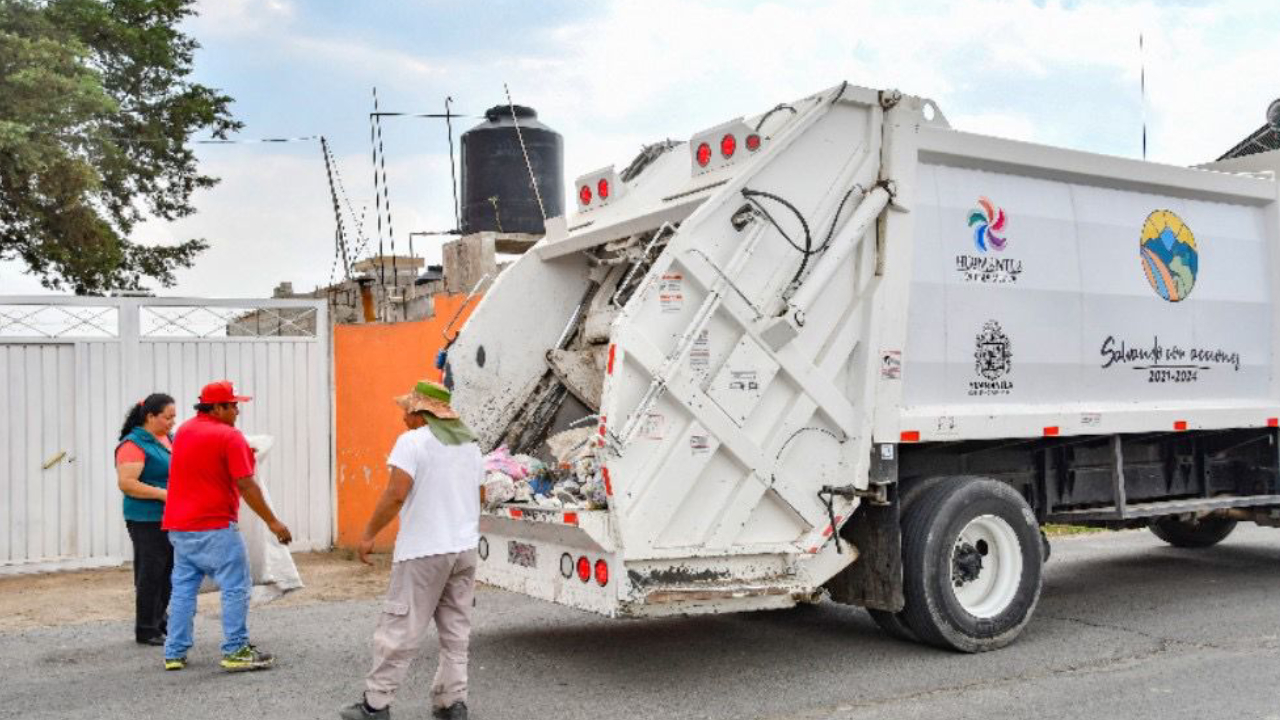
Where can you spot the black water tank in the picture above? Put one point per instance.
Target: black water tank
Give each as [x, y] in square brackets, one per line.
[496, 192]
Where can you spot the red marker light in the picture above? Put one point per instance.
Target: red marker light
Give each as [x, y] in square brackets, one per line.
[584, 569]
[704, 154]
[753, 142]
[910, 436]
[602, 189]
[602, 573]
[728, 145]
[584, 195]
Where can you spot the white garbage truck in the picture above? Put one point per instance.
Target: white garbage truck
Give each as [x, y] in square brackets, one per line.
[840, 348]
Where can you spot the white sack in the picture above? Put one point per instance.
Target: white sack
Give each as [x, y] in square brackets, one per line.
[271, 566]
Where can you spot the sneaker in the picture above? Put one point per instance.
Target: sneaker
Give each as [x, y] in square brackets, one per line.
[456, 711]
[154, 640]
[175, 663]
[358, 712]
[247, 658]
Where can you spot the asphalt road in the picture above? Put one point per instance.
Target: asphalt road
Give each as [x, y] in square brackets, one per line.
[1127, 628]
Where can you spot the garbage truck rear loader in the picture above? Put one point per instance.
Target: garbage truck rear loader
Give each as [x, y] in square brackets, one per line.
[839, 346]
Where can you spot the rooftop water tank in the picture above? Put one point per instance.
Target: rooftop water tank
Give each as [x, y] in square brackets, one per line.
[496, 192]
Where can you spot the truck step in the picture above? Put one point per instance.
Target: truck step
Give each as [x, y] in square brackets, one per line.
[1164, 507]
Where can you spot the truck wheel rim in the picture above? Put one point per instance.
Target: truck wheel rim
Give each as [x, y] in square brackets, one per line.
[986, 566]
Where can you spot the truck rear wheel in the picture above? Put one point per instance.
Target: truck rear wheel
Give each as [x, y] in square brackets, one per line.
[1198, 532]
[894, 624]
[972, 560]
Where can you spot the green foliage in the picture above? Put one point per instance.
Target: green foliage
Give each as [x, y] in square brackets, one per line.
[95, 113]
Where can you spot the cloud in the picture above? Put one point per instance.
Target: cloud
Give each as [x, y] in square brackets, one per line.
[233, 18]
[631, 72]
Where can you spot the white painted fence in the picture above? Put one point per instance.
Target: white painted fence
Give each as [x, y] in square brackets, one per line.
[69, 369]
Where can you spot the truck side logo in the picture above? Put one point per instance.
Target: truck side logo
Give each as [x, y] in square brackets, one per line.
[988, 222]
[993, 360]
[1169, 255]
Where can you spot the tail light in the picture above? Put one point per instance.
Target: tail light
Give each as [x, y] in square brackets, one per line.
[717, 147]
[728, 145]
[584, 569]
[602, 573]
[753, 142]
[704, 154]
[598, 188]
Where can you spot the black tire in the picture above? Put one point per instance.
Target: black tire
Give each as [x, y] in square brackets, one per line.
[1200, 532]
[894, 624]
[931, 560]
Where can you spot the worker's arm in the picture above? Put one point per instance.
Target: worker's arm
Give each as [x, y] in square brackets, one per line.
[252, 494]
[389, 505]
[128, 477]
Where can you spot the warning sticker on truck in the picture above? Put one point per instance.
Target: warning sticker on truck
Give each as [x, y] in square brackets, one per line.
[654, 426]
[700, 353]
[891, 365]
[671, 293]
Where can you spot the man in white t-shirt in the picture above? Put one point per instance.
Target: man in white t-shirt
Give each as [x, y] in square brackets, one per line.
[436, 473]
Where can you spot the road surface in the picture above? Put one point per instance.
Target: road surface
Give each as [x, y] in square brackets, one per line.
[1127, 627]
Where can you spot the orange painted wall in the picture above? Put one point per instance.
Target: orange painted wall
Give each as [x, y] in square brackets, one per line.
[371, 365]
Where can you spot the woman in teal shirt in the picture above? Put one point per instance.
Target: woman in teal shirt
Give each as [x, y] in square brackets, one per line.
[142, 471]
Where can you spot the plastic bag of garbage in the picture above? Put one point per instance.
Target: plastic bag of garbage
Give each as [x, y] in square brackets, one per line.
[502, 461]
[271, 566]
[568, 445]
[498, 489]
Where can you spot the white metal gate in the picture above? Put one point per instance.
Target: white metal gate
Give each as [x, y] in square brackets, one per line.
[71, 366]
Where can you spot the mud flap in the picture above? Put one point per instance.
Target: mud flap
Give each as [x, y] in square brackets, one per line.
[875, 579]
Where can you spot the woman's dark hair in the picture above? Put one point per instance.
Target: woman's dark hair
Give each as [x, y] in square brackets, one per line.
[154, 404]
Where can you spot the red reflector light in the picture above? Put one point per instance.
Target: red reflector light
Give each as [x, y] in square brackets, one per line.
[1180, 425]
[1273, 422]
[571, 518]
[704, 154]
[1051, 431]
[602, 189]
[728, 144]
[584, 569]
[602, 573]
[753, 142]
[910, 436]
[584, 195]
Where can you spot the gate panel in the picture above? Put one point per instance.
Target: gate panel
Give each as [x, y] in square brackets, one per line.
[37, 436]
[71, 367]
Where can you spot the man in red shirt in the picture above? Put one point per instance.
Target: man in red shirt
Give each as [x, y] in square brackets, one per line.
[211, 469]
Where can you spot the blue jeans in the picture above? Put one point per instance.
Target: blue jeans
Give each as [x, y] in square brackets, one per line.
[221, 555]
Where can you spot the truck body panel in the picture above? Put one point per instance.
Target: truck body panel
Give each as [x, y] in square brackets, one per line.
[761, 339]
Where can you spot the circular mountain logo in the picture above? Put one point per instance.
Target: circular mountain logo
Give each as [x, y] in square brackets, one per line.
[1169, 255]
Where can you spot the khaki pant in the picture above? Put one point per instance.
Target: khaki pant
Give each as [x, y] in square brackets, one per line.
[436, 587]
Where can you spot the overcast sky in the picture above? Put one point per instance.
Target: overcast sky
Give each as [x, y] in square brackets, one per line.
[611, 76]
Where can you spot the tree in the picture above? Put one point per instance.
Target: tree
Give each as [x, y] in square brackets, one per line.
[96, 110]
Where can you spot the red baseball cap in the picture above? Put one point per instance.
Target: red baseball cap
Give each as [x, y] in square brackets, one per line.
[221, 392]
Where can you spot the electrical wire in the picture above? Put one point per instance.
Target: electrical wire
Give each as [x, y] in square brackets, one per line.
[386, 198]
[533, 180]
[377, 198]
[805, 252]
[453, 172]
[776, 108]
[808, 250]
